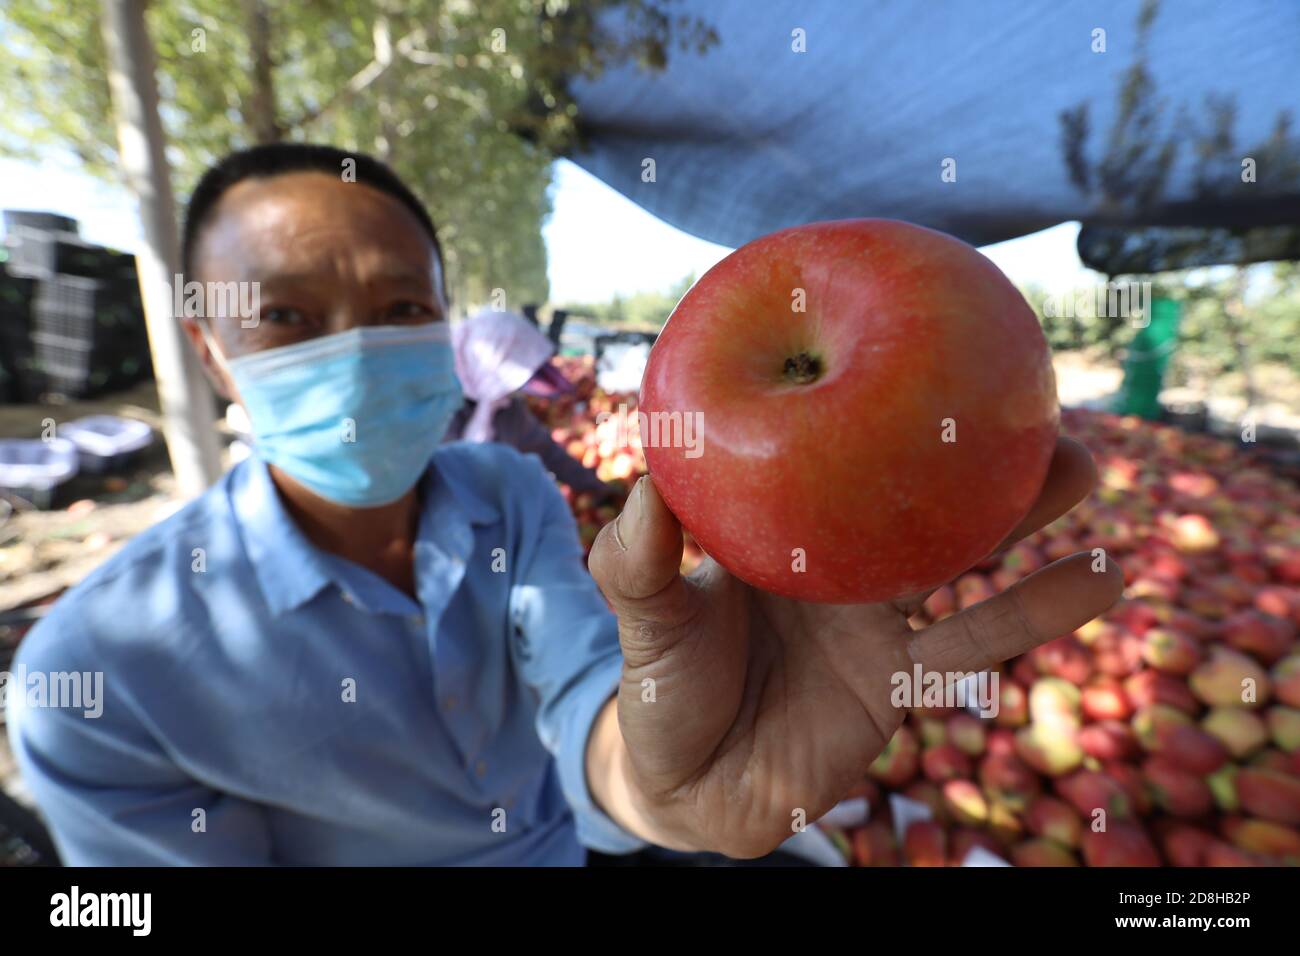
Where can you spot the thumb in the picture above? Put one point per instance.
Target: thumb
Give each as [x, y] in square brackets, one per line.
[636, 562]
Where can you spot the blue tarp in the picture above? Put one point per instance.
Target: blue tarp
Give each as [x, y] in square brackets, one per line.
[1040, 123]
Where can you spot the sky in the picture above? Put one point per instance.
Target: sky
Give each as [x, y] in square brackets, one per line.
[598, 242]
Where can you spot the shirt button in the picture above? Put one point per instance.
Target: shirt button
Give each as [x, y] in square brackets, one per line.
[414, 620]
[480, 768]
[450, 702]
[347, 598]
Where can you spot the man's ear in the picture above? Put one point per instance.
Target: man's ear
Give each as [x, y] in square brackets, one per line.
[211, 368]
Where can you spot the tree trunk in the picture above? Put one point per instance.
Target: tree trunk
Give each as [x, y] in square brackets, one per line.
[261, 117]
[187, 405]
[1235, 308]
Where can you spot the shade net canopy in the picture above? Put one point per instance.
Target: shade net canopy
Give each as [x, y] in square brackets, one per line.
[987, 120]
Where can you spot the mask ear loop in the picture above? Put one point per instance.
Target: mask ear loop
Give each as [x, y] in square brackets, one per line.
[210, 340]
[241, 424]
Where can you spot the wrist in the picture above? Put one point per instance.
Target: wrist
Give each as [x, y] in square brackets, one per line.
[664, 819]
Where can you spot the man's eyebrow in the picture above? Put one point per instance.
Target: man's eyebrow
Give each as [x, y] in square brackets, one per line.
[396, 276]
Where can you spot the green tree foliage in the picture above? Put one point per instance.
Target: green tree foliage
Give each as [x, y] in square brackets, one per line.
[644, 310]
[466, 99]
[1209, 333]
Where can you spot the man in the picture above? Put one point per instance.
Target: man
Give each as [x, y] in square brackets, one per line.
[359, 648]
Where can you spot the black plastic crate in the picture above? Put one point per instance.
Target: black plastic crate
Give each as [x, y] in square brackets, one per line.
[44, 221]
[91, 311]
[43, 255]
[82, 337]
[69, 367]
[16, 295]
[15, 330]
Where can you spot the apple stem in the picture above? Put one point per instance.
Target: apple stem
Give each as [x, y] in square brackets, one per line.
[803, 368]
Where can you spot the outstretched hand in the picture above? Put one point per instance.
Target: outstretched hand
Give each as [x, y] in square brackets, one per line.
[764, 710]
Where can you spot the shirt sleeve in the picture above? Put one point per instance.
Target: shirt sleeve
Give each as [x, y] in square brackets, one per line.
[565, 645]
[516, 425]
[109, 794]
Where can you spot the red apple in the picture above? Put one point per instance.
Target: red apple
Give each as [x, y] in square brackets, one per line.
[1270, 759]
[1065, 658]
[941, 604]
[965, 804]
[925, 844]
[1108, 740]
[1223, 854]
[1230, 679]
[1013, 705]
[1130, 779]
[1149, 722]
[1263, 837]
[1007, 778]
[1051, 749]
[1240, 731]
[899, 761]
[1152, 687]
[944, 762]
[1103, 698]
[1024, 559]
[1042, 852]
[1191, 748]
[1279, 601]
[923, 791]
[873, 845]
[798, 353]
[1090, 790]
[1054, 819]
[1185, 845]
[1176, 791]
[1267, 637]
[971, 589]
[1170, 651]
[965, 839]
[1284, 726]
[967, 734]
[1286, 680]
[1120, 844]
[1001, 741]
[1269, 794]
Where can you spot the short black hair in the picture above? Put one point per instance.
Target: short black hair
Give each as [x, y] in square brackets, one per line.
[275, 159]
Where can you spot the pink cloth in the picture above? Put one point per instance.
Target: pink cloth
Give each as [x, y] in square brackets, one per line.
[496, 354]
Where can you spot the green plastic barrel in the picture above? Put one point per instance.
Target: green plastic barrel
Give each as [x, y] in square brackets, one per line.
[1149, 355]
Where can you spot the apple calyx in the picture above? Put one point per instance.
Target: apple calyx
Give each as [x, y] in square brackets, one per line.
[802, 369]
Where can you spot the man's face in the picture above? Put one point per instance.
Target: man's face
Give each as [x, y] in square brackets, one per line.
[328, 256]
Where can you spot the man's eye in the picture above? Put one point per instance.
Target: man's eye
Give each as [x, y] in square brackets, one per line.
[289, 317]
[408, 310]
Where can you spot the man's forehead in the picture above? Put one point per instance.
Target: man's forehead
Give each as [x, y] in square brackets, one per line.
[299, 221]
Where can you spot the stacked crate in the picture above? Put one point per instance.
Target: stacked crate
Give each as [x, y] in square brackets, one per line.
[71, 321]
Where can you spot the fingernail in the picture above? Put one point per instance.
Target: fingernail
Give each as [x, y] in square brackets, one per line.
[627, 524]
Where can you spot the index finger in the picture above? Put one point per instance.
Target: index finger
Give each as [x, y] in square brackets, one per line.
[1061, 597]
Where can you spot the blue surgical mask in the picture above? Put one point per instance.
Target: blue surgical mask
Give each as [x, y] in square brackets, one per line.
[354, 416]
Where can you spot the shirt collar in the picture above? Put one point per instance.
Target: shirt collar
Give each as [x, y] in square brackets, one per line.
[290, 570]
[288, 567]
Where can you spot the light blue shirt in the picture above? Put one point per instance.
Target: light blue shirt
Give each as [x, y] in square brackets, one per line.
[267, 702]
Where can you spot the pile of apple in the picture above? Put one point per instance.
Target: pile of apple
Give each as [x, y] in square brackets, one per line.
[1166, 732]
[573, 421]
